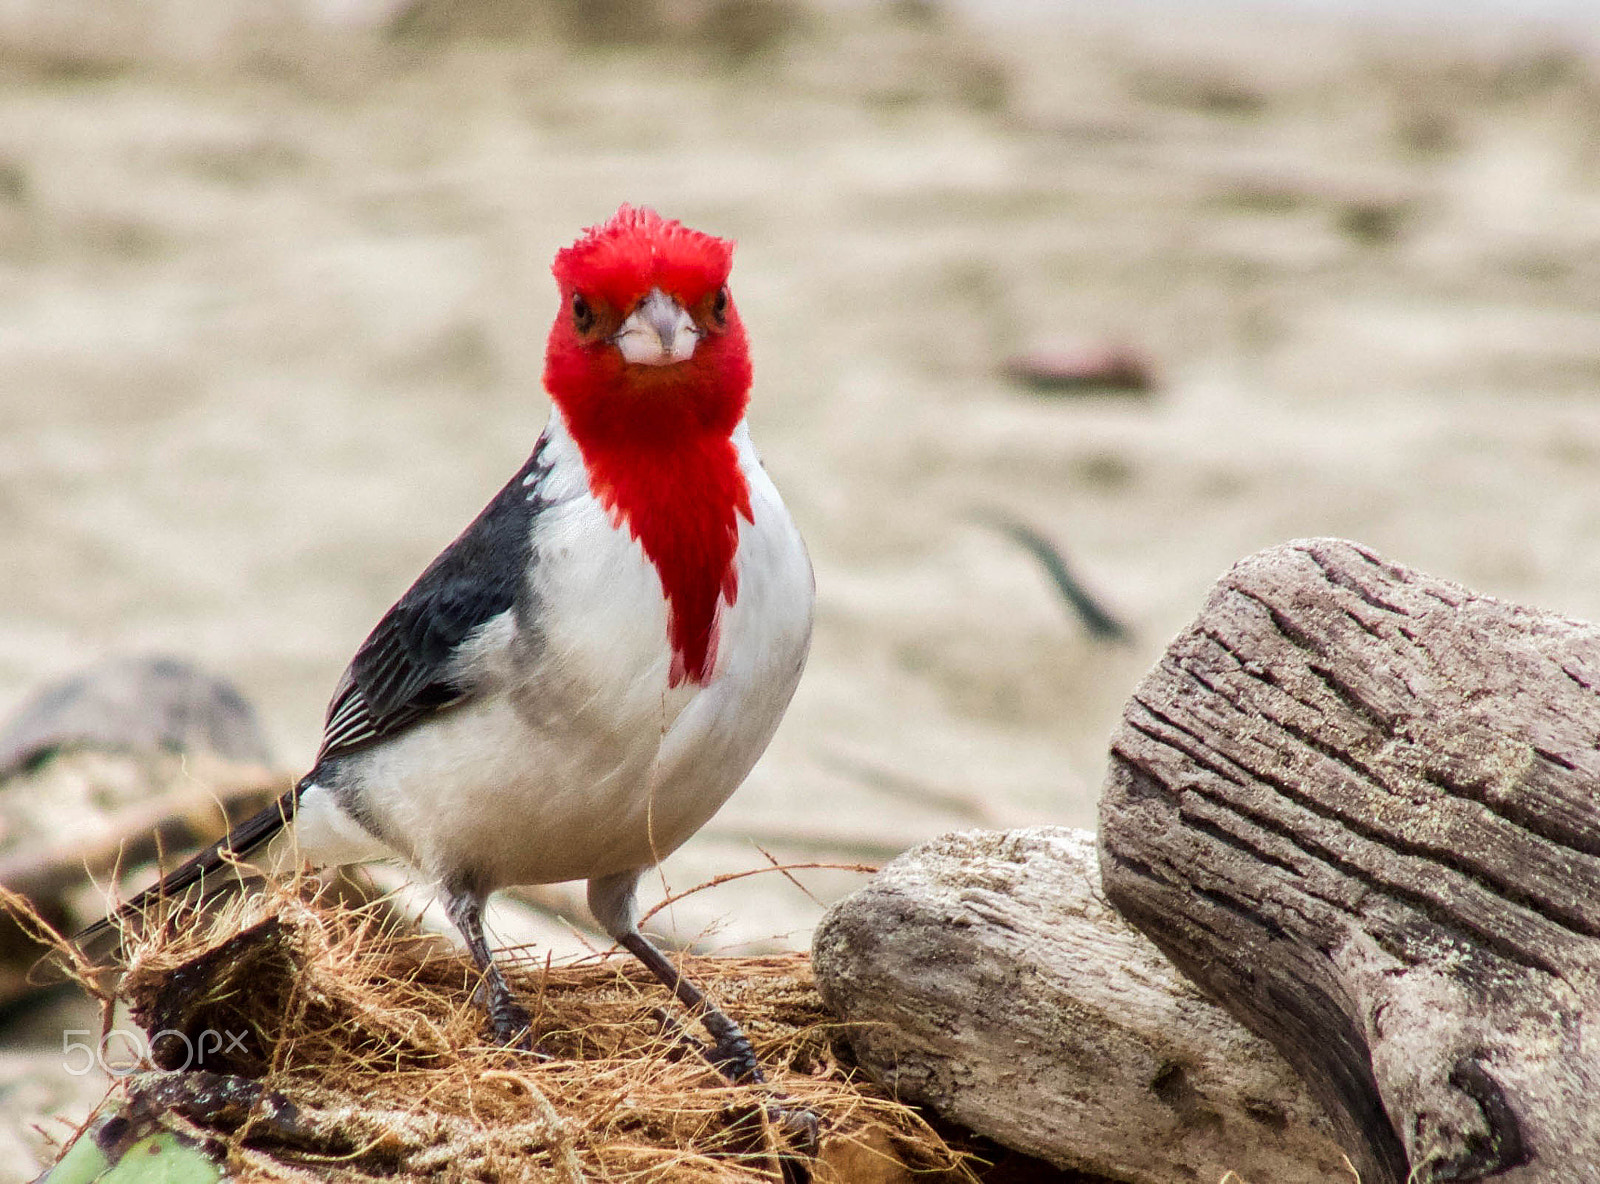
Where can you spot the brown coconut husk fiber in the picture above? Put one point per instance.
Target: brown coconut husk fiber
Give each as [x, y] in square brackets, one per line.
[347, 1050]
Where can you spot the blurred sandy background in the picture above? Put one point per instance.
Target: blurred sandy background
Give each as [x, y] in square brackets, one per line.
[274, 291]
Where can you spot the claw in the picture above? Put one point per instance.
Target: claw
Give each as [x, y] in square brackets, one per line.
[800, 1128]
[511, 1026]
[733, 1057]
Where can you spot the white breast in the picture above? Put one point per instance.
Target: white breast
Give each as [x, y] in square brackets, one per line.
[581, 759]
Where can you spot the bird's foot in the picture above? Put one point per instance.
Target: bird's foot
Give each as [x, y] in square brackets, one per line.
[796, 1127]
[730, 1052]
[510, 1025]
[732, 1056]
[799, 1128]
[786, 1132]
[513, 1030]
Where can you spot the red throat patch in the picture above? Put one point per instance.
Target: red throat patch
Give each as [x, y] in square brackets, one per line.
[684, 508]
[656, 440]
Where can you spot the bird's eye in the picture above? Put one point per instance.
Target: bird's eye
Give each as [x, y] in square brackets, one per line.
[719, 306]
[582, 314]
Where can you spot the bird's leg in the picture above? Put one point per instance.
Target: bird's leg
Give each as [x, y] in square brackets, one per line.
[733, 1057]
[509, 1023]
[611, 901]
[730, 1051]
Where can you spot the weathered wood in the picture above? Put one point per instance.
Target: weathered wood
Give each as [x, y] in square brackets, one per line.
[198, 809]
[1359, 805]
[983, 976]
[85, 816]
[137, 704]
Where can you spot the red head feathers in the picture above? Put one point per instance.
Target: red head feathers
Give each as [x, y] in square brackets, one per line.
[655, 434]
[638, 249]
[603, 278]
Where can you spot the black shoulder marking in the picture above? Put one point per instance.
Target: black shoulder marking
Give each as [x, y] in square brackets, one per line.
[403, 671]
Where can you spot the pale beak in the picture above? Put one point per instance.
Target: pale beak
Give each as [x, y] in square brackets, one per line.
[658, 332]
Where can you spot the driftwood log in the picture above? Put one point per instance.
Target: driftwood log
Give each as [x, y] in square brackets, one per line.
[1361, 806]
[134, 704]
[983, 976]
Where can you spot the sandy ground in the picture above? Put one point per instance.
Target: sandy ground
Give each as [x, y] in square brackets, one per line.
[273, 302]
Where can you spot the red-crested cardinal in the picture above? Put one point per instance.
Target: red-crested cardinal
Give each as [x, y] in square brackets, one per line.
[586, 674]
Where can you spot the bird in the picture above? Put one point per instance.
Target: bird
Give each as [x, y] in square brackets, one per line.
[579, 681]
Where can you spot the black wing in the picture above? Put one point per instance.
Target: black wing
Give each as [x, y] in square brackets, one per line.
[404, 671]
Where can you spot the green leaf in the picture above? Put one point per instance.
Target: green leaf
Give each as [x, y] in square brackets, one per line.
[162, 1158]
[84, 1162]
[159, 1158]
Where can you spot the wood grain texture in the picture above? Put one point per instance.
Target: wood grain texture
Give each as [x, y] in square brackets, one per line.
[983, 976]
[1359, 805]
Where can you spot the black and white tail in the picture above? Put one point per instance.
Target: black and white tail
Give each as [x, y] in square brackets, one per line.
[209, 873]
